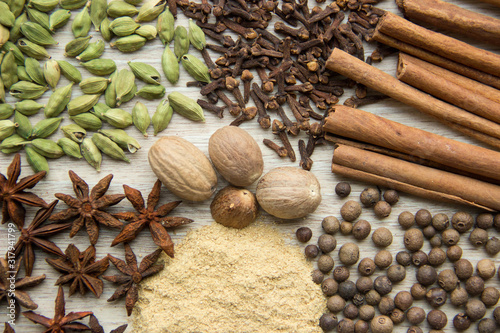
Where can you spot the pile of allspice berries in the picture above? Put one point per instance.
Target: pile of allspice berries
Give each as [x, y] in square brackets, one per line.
[369, 303]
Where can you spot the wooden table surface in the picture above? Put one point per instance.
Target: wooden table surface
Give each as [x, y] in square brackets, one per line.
[138, 175]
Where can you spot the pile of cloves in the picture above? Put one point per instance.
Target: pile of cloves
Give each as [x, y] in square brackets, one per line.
[289, 63]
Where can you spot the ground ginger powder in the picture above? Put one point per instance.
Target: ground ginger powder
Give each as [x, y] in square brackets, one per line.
[231, 280]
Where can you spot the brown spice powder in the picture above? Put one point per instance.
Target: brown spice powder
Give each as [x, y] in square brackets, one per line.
[231, 280]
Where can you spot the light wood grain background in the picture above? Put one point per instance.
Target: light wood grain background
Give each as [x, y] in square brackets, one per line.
[138, 175]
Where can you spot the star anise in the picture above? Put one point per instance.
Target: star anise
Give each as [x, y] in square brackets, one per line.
[13, 196]
[133, 275]
[148, 216]
[35, 236]
[95, 327]
[81, 269]
[8, 329]
[61, 322]
[88, 209]
[16, 295]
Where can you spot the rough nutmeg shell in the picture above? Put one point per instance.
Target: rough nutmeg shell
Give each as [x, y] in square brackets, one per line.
[234, 207]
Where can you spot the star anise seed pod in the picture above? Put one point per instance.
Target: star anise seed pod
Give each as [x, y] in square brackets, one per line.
[8, 329]
[95, 327]
[8, 273]
[81, 270]
[88, 208]
[133, 275]
[61, 322]
[35, 236]
[148, 216]
[13, 196]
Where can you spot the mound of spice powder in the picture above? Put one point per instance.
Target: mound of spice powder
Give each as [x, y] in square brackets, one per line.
[232, 280]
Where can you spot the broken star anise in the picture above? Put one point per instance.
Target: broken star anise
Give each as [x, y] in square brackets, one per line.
[35, 236]
[81, 269]
[95, 327]
[61, 322]
[15, 294]
[133, 275]
[88, 208]
[8, 329]
[148, 216]
[13, 196]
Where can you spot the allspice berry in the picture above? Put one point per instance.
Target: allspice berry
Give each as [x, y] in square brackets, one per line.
[415, 329]
[383, 259]
[325, 263]
[478, 237]
[403, 258]
[423, 218]
[386, 305]
[485, 221]
[462, 221]
[419, 258]
[343, 189]
[413, 239]
[496, 222]
[475, 309]
[367, 266]
[328, 322]
[311, 251]
[454, 253]
[426, 275]
[349, 254]
[429, 232]
[406, 220]
[364, 284]
[346, 325]
[346, 228]
[450, 237]
[361, 326]
[391, 197]
[347, 290]
[492, 246]
[486, 325]
[372, 297]
[330, 225]
[381, 324]
[448, 280]
[351, 311]
[436, 257]
[397, 316]
[335, 303]
[361, 229]
[463, 269]
[459, 296]
[436, 297]
[436, 241]
[396, 273]
[382, 237]
[329, 287]
[403, 300]
[369, 196]
[382, 285]
[327, 243]
[415, 315]
[496, 315]
[474, 285]
[490, 296]
[382, 209]
[303, 234]
[440, 221]
[461, 321]
[485, 268]
[341, 273]
[350, 210]
[366, 312]
[317, 276]
[437, 319]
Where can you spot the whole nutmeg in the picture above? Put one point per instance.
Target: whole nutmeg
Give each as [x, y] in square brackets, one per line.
[234, 207]
[182, 168]
[236, 155]
[288, 192]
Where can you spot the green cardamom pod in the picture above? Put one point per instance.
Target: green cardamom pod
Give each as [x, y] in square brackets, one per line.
[99, 109]
[6, 111]
[13, 143]
[141, 118]
[162, 116]
[47, 148]
[166, 26]
[36, 161]
[170, 65]
[8, 70]
[94, 85]
[39, 17]
[110, 93]
[58, 19]
[18, 55]
[133, 2]
[28, 107]
[91, 153]
[124, 83]
[15, 31]
[27, 90]
[7, 128]
[121, 138]
[128, 44]
[120, 8]
[99, 66]
[147, 31]
[24, 127]
[181, 42]
[196, 36]
[185, 106]
[151, 92]
[123, 26]
[150, 10]
[37, 34]
[4, 34]
[43, 5]
[31, 49]
[58, 101]
[77, 46]
[145, 72]
[129, 96]
[16, 7]
[35, 71]
[70, 147]
[74, 132]
[98, 12]
[45, 127]
[22, 74]
[2, 91]
[93, 51]
[196, 68]
[82, 104]
[72, 4]
[52, 73]
[106, 32]
[118, 118]
[69, 71]
[7, 18]
[82, 22]
[87, 120]
[109, 147]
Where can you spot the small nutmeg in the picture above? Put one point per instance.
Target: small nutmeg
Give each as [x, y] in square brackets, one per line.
[234, 207]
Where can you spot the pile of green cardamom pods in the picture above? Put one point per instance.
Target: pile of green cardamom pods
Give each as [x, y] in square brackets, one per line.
[27, 27]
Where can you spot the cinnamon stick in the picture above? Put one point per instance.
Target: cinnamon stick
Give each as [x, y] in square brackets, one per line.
[411, 72]
[350, 66]
[414, 179]
[373, 129]
[443, 15]
[472, 73]
[493, 2]
[447, 47]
